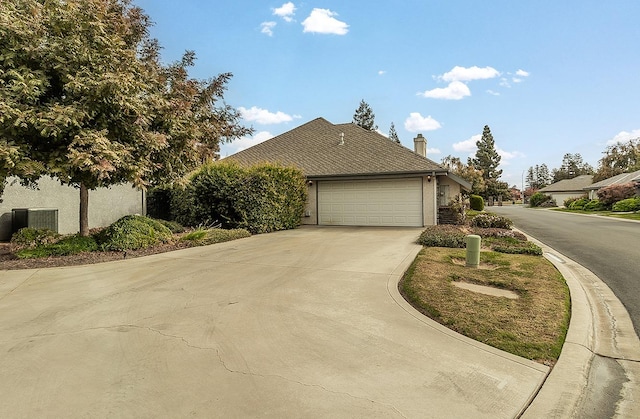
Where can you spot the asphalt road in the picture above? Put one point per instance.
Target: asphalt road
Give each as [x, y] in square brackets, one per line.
[608, 247]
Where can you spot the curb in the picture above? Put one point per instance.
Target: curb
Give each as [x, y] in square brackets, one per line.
[600, 329]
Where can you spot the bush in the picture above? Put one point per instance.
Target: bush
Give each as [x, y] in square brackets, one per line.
[579, 203]
[609, 195]
[261, 198]
[476, 202]
[538, 198]
[594, 205]
[69, 245]
[627, 205]
[567, 202]
[491, 221]
[203, 237]
[442, 236]
[133, 232]
[173, 226]
[498, 233]
[29, 238]
[518, 247]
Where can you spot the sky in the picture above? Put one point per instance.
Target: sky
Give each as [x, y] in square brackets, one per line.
[548, 77]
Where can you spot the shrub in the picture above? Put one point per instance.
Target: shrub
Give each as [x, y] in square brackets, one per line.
[498, 233]
[594, 205]
[476, 202]
[538, 199]
[29, 238]
[261, 198]
[173, 226]
[159, 203]
[69, 245]
[491, 221]
[442, 236]
[133, 232]
[567, 202]
[627, 205]
[518, 247]
[203, 237]
[609, 195]
[579, 203]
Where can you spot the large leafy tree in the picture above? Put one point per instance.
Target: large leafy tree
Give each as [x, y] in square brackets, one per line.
[469, 173]
[621, 157]
[84, 99]
[365, 117]
[572, 166]
[487, 160]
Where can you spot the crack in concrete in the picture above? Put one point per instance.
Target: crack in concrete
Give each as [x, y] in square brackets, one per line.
[19, 285]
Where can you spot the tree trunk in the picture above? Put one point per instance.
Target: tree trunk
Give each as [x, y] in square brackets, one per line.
[84, 210]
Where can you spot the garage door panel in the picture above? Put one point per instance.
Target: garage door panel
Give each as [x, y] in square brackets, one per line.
[389, 202]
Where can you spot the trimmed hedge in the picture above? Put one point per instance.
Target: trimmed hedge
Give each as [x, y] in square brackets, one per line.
[491, 221]
[442, 236]
[476, 202]
[627, 205]
[261, 198]
[133, 232]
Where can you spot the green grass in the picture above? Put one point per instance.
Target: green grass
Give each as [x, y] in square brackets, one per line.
[69, 245]
[533, 326]
[628, 216]
[204, 237]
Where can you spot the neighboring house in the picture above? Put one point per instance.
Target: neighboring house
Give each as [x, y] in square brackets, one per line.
[615, 180]
[359, 177]
[106, 205]
[568, 188]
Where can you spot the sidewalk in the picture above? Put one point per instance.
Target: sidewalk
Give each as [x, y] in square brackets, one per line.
[598, 372]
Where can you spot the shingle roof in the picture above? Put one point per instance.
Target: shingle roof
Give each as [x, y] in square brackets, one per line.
[315, 148]
[616, 180]
[577, 184]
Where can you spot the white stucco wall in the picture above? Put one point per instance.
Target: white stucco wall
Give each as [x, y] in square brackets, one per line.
[429, 191]
[106, 205]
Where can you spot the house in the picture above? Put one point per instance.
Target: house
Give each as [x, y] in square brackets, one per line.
[61, 205]
[633, 177]
[359, 177]
[567, 188]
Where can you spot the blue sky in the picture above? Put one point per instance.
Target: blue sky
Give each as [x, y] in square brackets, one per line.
[549, 77]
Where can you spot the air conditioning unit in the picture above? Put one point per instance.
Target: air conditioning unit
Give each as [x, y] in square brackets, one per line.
[34, 218]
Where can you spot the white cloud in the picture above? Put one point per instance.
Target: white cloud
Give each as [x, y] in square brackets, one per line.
[458, 73]
[624, 136]
[433, 151]
[246, 142]
[416, 122]
[382, 72]
[323, 21]
[456, 90]
[504, 82]
[491, 92]
[286, 11]
[506, 156]
[467, 146]
[263, 116]
[267, 27]
[522, 73]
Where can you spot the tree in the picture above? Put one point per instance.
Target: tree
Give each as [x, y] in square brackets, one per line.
[538, 177]
[487, 159]
[572, 166]
[85, 99]
[393, 135]
[365, 117]
[619, 158]
[468, 173]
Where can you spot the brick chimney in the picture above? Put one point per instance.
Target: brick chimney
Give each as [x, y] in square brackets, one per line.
[420, 145]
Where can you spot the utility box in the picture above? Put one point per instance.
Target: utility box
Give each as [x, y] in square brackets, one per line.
[34, 218]
[473, 250]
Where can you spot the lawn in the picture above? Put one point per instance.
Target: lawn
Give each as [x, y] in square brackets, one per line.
[533, 326]
[625, 215]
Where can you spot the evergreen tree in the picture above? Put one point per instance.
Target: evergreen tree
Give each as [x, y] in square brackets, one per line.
[487, 159]
[365, 117]
[572, 166]
[393, 135]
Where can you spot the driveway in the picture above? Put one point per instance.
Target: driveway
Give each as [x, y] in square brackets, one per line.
[302, 323]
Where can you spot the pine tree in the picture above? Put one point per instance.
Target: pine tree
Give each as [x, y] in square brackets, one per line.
[365, 117]
[393, 135]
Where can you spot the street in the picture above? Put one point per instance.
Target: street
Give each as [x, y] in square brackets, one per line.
[607, 246]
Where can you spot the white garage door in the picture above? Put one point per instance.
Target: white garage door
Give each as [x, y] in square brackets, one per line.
[388, 202]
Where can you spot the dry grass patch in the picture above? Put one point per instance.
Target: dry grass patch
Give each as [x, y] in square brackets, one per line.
[533, 326]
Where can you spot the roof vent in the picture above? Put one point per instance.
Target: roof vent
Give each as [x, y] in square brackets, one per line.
[341, 139]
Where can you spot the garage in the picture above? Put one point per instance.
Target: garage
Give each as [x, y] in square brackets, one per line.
[380, 202]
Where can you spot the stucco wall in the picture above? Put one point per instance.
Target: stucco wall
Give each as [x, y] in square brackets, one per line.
[429, 201]
[454, 188]
[106, 205]
[559, 197]
[311, 209]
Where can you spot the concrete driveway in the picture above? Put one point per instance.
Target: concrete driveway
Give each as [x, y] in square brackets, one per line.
[302, 323]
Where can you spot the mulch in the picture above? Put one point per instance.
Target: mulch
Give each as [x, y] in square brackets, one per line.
[8, 261]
